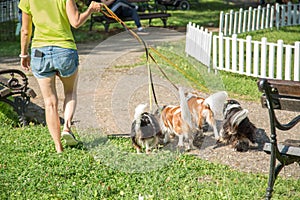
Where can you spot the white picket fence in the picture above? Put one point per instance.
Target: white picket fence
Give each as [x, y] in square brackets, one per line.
[244, 56]
[256, 58]
[198, 43]
[259, 18]
[8, 10]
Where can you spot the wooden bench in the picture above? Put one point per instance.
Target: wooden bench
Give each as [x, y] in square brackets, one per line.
[14, 91]
[281, 95]
[146, 12]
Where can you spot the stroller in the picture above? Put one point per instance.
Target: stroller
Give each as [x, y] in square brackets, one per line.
[176, 4]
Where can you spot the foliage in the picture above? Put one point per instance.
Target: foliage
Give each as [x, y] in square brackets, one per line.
[7, 115]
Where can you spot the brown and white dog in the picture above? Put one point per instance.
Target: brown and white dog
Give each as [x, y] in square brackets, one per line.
[237, 130]
[188, 118]
[145, 129]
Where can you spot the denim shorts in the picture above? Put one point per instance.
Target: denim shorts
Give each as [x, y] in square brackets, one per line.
[52, 60]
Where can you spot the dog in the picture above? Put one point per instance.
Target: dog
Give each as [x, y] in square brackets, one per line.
[145, 129]
[237, 130]
[186, 119]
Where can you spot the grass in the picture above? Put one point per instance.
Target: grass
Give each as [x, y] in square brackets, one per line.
[29, 169]
[288, 34]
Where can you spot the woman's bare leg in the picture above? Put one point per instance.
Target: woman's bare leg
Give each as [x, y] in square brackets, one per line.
[70, 90]
[48, 89]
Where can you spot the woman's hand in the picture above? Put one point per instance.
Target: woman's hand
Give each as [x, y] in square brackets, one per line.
[25, 63]
[76, 18]
[95, 7]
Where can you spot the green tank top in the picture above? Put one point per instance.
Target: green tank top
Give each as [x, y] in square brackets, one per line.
[51, 23]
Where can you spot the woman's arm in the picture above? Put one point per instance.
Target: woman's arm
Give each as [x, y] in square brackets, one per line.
[76, 18]
[26, 33]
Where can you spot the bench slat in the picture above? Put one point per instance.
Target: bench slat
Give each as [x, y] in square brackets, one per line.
[291, 88]
[284, 149]
[4, 91]
[288, 104]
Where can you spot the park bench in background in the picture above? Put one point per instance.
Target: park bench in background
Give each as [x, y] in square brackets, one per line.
[145, 11]
[14, 91]
[281, 95]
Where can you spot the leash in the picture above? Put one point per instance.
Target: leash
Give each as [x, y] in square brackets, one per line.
[203, 88]
[111, 14]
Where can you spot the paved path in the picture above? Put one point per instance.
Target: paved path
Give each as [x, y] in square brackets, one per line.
[94, 89]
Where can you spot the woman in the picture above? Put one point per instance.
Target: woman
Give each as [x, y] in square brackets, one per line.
[53, 53]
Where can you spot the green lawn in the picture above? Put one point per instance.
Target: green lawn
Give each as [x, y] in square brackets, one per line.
[30, 169]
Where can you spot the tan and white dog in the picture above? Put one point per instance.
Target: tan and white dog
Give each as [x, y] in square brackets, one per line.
[188, 118]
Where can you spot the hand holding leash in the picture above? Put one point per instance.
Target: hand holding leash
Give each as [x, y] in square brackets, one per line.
[95, 7]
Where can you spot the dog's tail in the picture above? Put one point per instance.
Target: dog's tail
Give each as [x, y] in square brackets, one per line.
[139, 110]
[185, 111]
[216, 103]
[239, 117]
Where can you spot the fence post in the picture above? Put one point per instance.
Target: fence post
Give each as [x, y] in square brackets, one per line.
[279, 59]
[254, 20]
[267, 16]
[221, 51]
[255, 58]
[263, 15]
[231, 18]
[215, 53]
[226, 25]
[208, 53]
[298, 13]
[295, 14]
[288, 57]
[248, 55]
[249, 19]
[245, 22]
[296, 61]
[283, 13]
[227, 53]
[241, 56]
[277, 15]
[289, 13]
[235, 23]
[234, 53]
[263, 61]
[272, 17]
[258, 18]
[240, 21]
[221, 25]
[271, 60]
[187, 39]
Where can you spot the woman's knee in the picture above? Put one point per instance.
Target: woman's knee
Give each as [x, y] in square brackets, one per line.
[51, 102]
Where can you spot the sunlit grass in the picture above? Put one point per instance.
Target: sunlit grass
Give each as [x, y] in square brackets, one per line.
[30, 168]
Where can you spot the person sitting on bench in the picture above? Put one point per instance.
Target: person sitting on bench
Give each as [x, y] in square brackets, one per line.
[123, 8]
